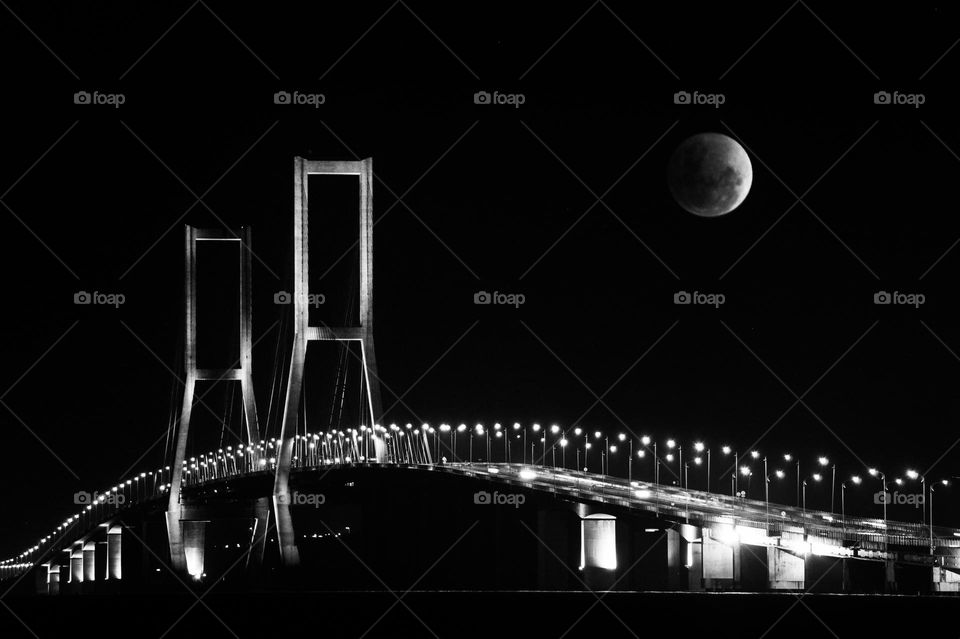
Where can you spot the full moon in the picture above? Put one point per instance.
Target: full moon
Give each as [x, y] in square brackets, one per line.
[709, 174]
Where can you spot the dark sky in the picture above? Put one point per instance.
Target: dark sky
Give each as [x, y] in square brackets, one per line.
[493, 198]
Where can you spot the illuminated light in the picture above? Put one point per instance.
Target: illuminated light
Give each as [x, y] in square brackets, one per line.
[671, 443]
[613, 449]
[497, 426]
[516, 425]
[699, 447]
[945, 482]
[726, 450]
[444, 428]
[912, 474]
[787, 457]
[597, 434]
[873, 471]
[563, 442]
[642, 494]
[394, 427]
[409, 426]
[588, 445]
[577, 431]
[697, 461]
[461, 428]
[492, 470]
[745, 471]
[823, 461]
[856, 479]
[755, 454]
[536, 428]
[622, 437]
[554, 429]
[641, 454]
[669, 457]
[898, 481]
[817, 477]
[527, 474]
[263, 462]
[499, 434]
[645, 440]
[780, 474]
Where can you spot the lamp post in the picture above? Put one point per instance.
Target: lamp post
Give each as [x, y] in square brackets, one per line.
[726, 450]
[563, 450]
[912, 474]
[586, 462]
[622, 437]
[883, 482]
[824, 462]
[699, 447]
[843, 502]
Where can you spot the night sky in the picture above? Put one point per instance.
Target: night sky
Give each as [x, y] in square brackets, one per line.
[492, 198]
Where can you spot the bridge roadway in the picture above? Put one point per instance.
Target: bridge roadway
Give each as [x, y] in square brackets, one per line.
[729, 520]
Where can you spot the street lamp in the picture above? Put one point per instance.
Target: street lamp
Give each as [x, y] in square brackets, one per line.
[912, 474]
[843, 502]
[883, 482]
[943, 482]
[734, 479]
[823, 461]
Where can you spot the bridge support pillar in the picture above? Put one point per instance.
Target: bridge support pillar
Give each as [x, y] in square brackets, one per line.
[194, 538]
[945, 579]
[114, 558]
[53, 579]
[785, 569]
[76, 566]
[720, 559]
[89, 561]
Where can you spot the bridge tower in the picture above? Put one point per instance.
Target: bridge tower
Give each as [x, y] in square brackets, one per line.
[304, 333]
[242, 372]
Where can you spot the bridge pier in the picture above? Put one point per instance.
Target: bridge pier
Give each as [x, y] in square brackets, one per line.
[114, 554]
[194, 538]
[945, 579]
[53, 578]
[720, 559]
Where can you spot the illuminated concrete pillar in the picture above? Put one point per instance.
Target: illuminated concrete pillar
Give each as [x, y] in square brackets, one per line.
[720, 558]
[53, 579]
[598, 550]
[76, 565]
[193, 374]
[304, 333]
[114, 556]
[89, 561]
[785, 569]
[194, 538]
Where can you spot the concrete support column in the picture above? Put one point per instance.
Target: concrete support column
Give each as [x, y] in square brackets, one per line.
[53, 579]
[89, 561]
[194, 537]
[76, 565]
[114, 559]
[785, 569]
[720, 557]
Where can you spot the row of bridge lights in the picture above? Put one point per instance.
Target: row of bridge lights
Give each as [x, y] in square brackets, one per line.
[257, 457]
